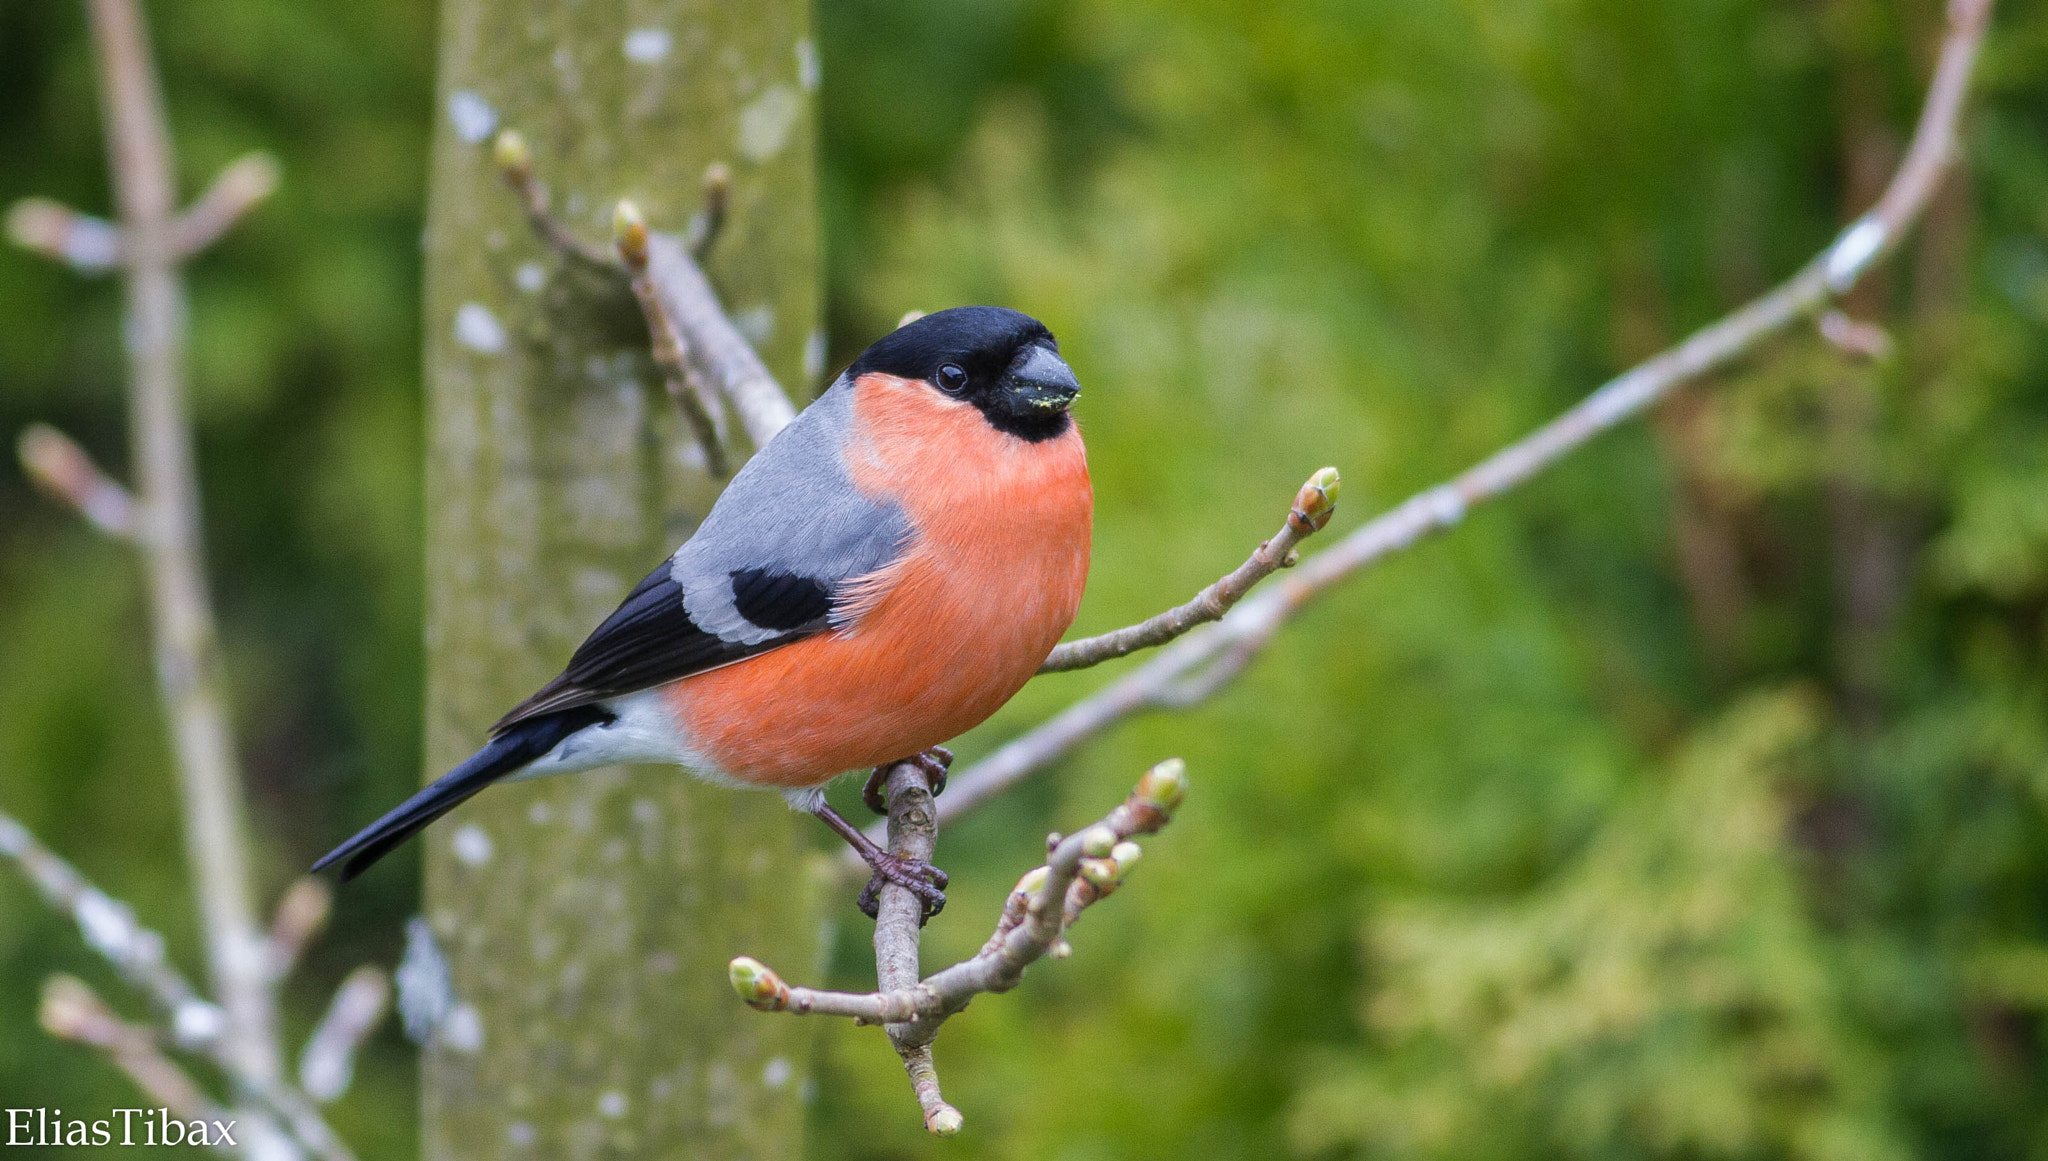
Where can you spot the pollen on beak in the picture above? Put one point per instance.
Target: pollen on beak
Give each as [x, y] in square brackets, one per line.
[1041, 380]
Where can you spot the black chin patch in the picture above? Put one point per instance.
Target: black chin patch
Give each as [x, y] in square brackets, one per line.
[1035, 426]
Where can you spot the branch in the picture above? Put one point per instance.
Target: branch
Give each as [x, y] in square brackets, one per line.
[300, 915]
[680, 293]
[1866, 342]
[693, 397]
[187, 661]
[72, 1011]
[93, 245]
[710, 221]
[137, 954]
[1080, 870]
[1313, 506]
[87, 244]
[329, 1062]
[514, 158]
[1197, 665]
[713, 342]
[109, 928]
[239, 188]
[64, 470]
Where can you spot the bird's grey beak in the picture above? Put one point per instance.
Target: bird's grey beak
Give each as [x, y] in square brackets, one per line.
[1041, 380]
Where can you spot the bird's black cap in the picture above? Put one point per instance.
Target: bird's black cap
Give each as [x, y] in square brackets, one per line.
[1003, 361]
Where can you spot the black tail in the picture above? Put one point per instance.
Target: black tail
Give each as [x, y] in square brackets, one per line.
[502, 755]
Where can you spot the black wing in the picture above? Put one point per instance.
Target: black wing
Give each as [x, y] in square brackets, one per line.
[651, 639]
[788, 535]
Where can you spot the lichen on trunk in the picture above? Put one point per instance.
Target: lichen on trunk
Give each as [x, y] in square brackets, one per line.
[588, 919]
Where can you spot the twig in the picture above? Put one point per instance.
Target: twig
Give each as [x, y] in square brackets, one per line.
[109, 927]
[63, 469]
[188, 667]
[711, 340]
[685, 385]
[1864, 341]
[87, 244]
[1313, 506]
[300, 915]
[72, 1011]
[1080, 870]
[151, 238]
[514, 158]
[704, 335]
[1180, 673]
[93, 245]
[328, 1063]
[710, 221]
[235, 191]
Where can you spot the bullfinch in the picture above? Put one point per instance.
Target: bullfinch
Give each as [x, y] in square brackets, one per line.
[883, 575]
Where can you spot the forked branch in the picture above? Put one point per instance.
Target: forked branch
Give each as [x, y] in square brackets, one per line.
[1313, 507]
[1082, 869]
[676, 296]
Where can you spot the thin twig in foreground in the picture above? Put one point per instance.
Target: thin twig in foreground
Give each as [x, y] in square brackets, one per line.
[235, 191]
[63, 469]
[110, 928]
[328, 1063]
[1187, 669]
[72, 1011]
[83, 242]
[300, 914]
[187, 659]
[136, 952]
[1082, 868]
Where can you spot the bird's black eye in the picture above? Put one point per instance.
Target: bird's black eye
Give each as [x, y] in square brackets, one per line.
[952, 380]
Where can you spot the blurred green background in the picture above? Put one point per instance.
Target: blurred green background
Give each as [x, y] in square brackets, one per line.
[1691, 803]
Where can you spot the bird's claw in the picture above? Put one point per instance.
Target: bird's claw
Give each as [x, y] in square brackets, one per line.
[933, 763]
[919, 878]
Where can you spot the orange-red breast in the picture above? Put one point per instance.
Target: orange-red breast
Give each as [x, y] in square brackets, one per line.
[882, 576]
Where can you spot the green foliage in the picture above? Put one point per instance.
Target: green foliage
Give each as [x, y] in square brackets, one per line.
[1552, 837]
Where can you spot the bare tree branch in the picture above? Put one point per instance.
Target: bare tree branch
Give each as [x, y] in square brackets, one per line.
[235, 191]
[681, 296]
[300, 914]
[109, 927]
[693, 397]
[713, 342]
[1080, 870]
[137, 953]
[87, 244]
[1313, 506]
[72, 1011]
[328, 1063]
[63, 469]
[514, 158]
[187, 660]
[1863, 341]
[710, 221]
[899, 928]
[1198, 664]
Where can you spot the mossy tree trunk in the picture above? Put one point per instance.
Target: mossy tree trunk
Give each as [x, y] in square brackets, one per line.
[588, 920]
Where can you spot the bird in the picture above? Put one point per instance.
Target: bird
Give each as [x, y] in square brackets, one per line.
[884, 574]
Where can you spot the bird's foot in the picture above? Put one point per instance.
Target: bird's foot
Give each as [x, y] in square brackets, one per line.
[933, 763]
[919, 878]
